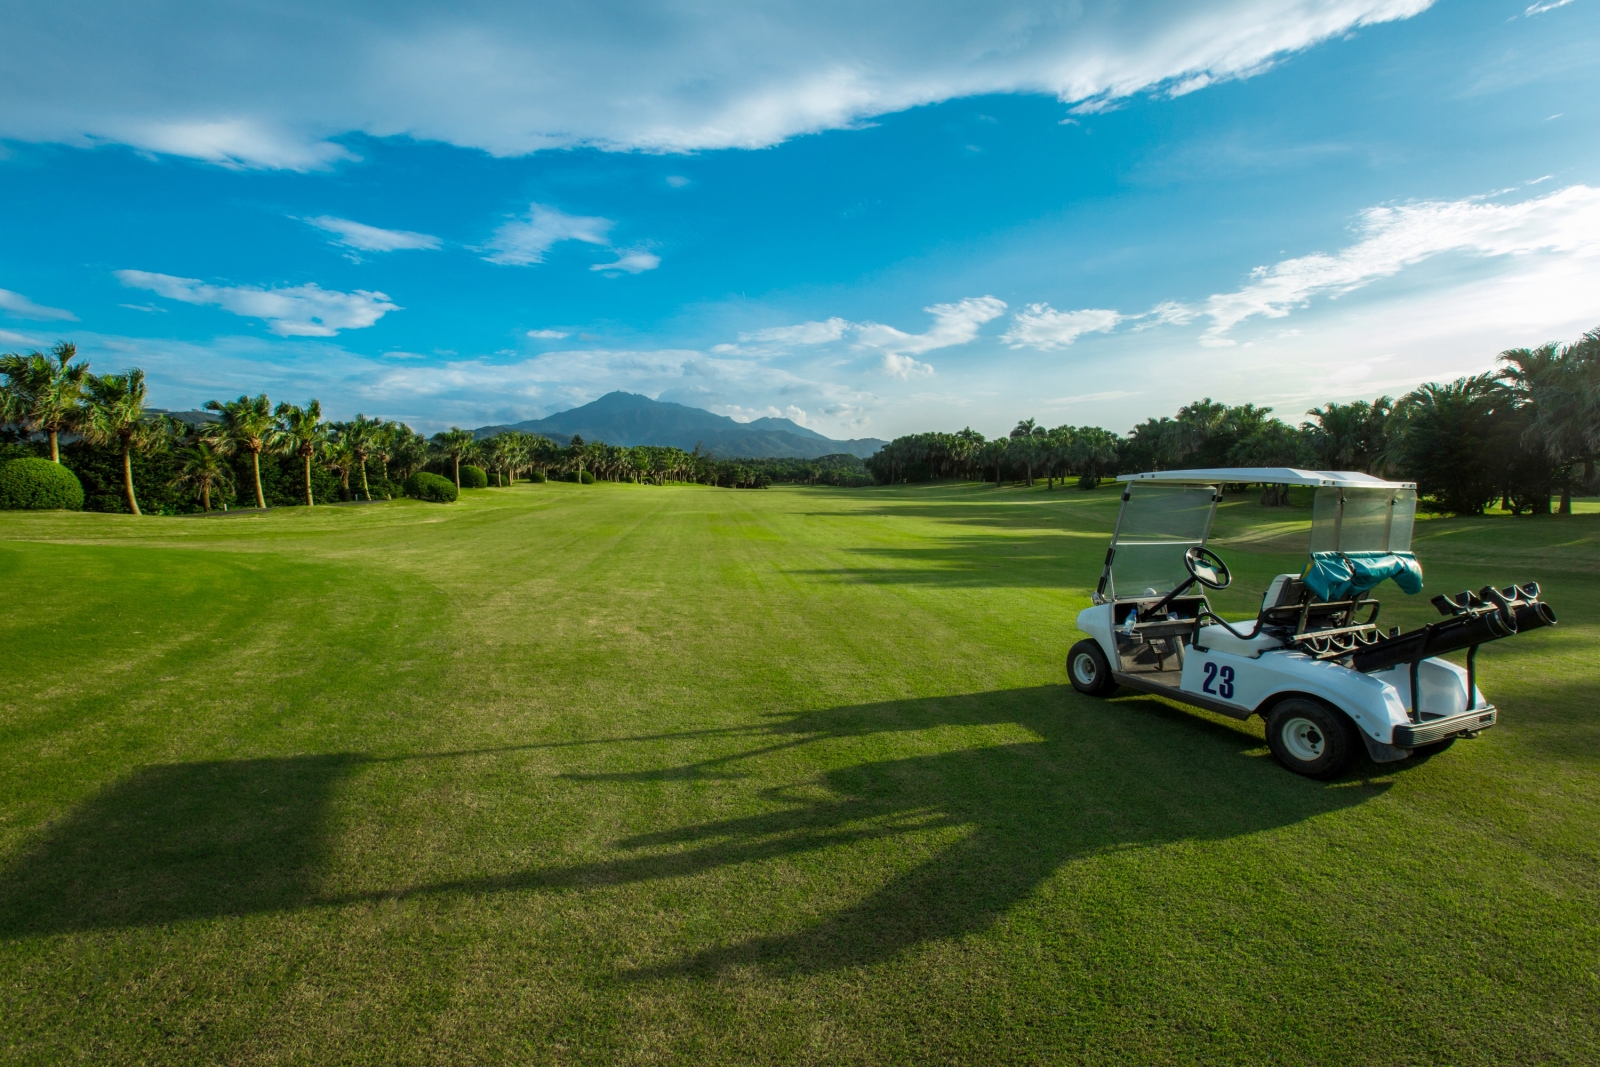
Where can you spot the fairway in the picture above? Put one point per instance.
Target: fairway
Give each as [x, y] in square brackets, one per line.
[622, 774]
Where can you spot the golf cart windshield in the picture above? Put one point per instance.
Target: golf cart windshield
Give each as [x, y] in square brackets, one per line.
[1158, 523]
[1359, 537]
[1362, 520]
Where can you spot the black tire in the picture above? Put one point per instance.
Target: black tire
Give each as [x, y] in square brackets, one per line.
[1311, 738]
[1425, 751]
[1089, 669]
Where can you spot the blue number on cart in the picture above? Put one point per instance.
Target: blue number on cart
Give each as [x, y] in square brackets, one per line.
[1224, 688]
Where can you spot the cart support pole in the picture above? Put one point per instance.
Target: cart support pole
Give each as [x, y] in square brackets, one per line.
[1472, 677]
[1416, 714]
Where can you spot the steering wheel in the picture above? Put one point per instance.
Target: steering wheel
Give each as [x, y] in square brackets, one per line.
[1207, 568]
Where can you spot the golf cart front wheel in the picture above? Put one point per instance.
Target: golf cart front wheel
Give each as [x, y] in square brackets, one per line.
[1089, 669]
[1311, 738]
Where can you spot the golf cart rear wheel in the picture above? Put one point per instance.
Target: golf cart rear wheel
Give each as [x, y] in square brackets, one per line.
[1089, 669]
[1311, 738]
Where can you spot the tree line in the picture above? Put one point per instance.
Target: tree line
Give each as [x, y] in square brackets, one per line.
[1522, 435]
[251, 451]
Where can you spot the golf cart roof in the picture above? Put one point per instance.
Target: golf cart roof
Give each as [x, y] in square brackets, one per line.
[1266, 475]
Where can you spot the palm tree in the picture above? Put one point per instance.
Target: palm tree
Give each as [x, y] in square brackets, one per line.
[993, 453]
[573, 460]
[44, 393]
[407, 449]
[1562, 384]
[204, 469]
[339, 456]
[115, 413]
[457, 444]
[496, 455]
[246, 426]
[362, 438]
[300, 431]
[1094, 452]
[1057, 452]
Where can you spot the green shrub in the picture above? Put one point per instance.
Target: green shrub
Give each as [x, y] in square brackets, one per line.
[431, 487]
[586, 478]
[538, 476]
[38, 485]
[1088, 481]
[473, 477]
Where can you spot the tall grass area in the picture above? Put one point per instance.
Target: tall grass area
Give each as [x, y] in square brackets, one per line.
[632, 775]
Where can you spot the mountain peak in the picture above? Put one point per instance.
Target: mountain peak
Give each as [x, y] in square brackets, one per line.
[623, 418]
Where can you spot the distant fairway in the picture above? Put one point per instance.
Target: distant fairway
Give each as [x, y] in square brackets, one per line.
[618, 774]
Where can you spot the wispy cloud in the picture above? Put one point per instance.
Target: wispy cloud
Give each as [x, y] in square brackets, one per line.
[953, 324]
[517, 78]
[895, 365]
[806, 333]
[364, 238]
[523, 242]
[1043, 327]
[1393, 238]
[547, 335]
[1539, 9]
[237, 144]
[23, 308]
[298, 311]
[11, 337]
[634, 262]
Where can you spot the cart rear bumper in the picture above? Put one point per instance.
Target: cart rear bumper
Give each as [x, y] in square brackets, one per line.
[1426, 733]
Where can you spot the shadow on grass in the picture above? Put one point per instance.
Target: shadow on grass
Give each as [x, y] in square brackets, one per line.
[196, 841]
[176, 842]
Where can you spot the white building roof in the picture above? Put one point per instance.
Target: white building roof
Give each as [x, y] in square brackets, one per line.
[1273, 475]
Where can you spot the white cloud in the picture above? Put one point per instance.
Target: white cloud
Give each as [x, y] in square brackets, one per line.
[1539, 9]
[1166, 313]
[1043, 327]
[546, 335]
[903, 367]
[806, 333]
[635, 262]
[366, 238]
[301, 311]
[269, 85]
[1393, 238]
[953, 324]
[524, 241]
[23, 308]
[677, 181]
[234, 143]
[739, 413]
[10, 337]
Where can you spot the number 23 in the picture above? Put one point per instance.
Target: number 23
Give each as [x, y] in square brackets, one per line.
[1224, 685]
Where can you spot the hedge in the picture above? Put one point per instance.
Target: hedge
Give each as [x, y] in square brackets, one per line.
[431, 487]
[538, 476]
[38, 485]
[473, 477]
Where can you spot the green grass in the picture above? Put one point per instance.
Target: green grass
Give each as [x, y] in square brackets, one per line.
[624, 775]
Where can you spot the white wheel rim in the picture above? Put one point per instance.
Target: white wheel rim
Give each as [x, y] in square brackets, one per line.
[1083, 668]
[1304, 740]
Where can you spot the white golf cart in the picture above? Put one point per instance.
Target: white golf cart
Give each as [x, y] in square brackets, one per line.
[1313, 663]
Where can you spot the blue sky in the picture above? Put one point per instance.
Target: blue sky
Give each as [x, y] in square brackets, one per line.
[874, 223]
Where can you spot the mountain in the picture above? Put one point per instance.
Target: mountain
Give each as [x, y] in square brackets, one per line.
[630, 419]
